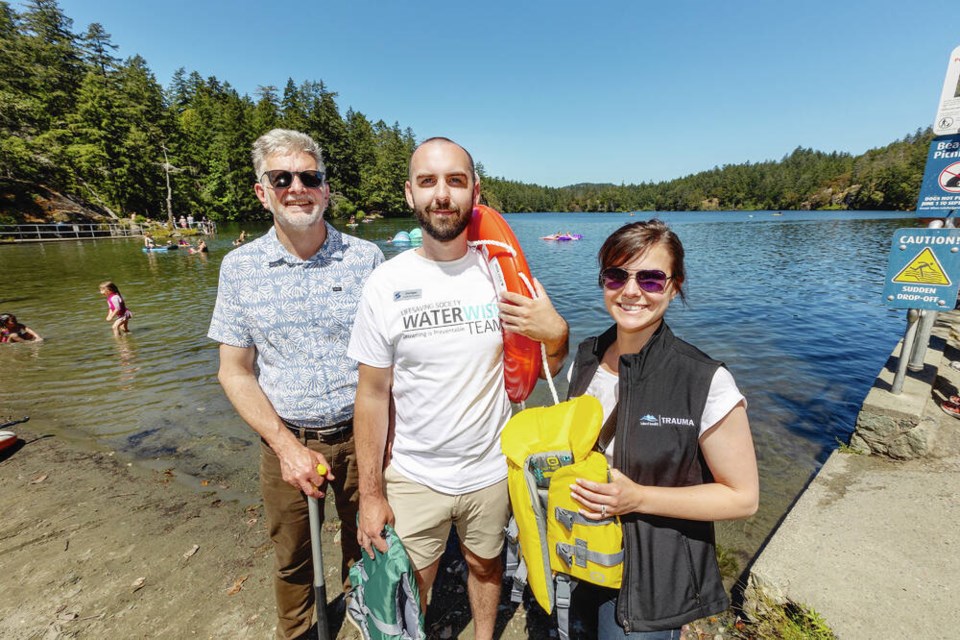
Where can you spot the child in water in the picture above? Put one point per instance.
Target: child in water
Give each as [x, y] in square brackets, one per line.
[13, 331]
[117, 310]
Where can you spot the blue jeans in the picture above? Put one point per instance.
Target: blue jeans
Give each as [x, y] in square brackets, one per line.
[609, 629]
[595, 608]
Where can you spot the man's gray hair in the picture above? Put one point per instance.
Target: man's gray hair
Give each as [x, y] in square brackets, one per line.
[284, 142]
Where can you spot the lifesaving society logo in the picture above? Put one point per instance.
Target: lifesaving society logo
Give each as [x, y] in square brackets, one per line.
[409, 294]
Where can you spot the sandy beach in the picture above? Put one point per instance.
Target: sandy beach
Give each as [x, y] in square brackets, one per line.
[93, 546]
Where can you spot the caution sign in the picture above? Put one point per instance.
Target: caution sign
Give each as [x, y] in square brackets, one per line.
[940, 189]
[923, 271]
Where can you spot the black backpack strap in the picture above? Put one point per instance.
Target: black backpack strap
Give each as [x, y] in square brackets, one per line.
[608, 430]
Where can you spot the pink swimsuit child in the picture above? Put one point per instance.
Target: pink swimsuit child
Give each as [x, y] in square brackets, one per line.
[115, 303]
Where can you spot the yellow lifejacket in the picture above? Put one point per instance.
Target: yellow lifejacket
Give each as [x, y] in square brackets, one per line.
[547, 448]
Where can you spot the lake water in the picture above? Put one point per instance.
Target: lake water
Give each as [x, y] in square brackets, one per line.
[792, 303]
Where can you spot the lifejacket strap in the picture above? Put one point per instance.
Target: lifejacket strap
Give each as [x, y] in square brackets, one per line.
[579, 555]
[519, 583]
[569, 517]
[564, 593]
[511, 534]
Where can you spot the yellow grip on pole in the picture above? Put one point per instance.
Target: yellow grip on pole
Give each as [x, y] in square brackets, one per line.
[322, 470]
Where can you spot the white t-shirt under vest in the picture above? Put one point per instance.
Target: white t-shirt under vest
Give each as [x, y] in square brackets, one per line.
[723, 397]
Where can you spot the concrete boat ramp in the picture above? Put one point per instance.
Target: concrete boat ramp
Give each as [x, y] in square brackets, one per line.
[873, 543]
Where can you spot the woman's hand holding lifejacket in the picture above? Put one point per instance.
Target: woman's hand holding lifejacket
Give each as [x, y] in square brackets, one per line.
[604, 499]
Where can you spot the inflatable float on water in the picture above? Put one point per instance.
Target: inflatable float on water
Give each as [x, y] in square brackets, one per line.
[414, 236]
[169, 247]
[491, 234]
[562, 237]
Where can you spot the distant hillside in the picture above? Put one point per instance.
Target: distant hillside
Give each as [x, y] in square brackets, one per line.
[79, 126]
[887, 178]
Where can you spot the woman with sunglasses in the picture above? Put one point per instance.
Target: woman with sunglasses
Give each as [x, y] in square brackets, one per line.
[681, 454]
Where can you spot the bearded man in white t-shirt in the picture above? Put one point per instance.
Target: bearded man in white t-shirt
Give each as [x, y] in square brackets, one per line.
[428, 338]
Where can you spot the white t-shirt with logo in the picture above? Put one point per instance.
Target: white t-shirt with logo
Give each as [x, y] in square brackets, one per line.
[722, 398]
[437, 324]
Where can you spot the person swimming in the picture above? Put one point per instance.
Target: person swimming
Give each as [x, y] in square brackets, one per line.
[13, 331]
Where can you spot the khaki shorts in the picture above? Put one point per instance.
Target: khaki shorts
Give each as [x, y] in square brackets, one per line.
[423, 518]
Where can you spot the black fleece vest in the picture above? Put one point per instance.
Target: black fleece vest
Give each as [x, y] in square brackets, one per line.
[670, 572]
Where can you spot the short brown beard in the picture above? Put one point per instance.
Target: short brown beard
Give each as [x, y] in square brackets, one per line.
[445, 233]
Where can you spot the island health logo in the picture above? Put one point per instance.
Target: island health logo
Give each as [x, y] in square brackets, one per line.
[651, 420]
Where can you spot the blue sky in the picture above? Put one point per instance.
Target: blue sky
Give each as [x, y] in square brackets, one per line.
[558, 92]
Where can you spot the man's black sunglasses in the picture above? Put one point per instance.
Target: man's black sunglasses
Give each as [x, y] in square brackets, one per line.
[281, 178]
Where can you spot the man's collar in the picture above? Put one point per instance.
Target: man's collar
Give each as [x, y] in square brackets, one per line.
[276, 253]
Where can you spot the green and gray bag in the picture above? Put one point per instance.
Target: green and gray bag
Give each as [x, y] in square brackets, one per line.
[385, 600]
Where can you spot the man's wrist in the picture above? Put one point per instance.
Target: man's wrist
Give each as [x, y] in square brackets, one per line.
[370, 493]
[559, 348]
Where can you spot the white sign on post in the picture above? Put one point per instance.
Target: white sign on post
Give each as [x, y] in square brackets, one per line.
[948, 115]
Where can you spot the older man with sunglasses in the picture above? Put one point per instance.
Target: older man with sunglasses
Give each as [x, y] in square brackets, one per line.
[284, 312]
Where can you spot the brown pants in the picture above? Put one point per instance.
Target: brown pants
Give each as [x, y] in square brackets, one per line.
[288, 521]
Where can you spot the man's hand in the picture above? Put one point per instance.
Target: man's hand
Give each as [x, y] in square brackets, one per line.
[298, 466]
[534, 318]
[375, 513]
[537, 319]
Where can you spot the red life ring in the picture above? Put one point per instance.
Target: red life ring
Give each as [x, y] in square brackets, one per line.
[521, 355]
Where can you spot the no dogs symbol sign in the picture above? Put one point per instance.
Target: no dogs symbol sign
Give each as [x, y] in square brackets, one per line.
[950, 178]
[940, 189]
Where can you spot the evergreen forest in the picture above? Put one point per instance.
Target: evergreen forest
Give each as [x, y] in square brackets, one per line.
[77, 120]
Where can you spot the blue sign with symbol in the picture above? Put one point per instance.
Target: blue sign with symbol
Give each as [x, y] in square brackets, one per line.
[940, 189]
[923, 271]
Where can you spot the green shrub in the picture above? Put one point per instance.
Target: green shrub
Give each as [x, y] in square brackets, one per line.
[729, 565]
[789, 621]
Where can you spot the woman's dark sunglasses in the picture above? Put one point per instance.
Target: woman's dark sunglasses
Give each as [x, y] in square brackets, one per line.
[650, 280]
[281, 179]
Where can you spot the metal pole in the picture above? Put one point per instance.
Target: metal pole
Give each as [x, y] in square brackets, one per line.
[319, 587]
[922, 341]
[908, 338]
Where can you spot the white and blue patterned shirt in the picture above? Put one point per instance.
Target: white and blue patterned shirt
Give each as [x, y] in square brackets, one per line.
[298, 314]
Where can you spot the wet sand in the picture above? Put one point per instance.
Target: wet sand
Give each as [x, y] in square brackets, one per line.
[95, 546]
